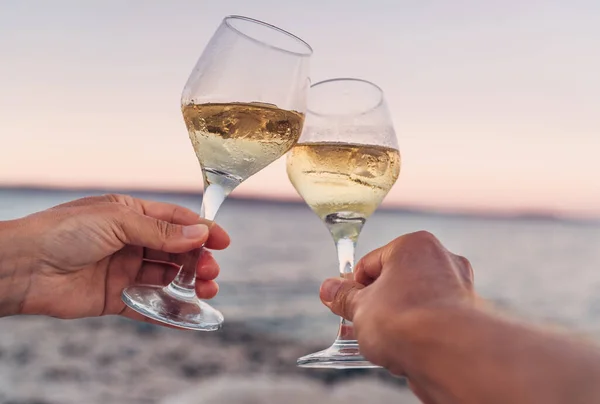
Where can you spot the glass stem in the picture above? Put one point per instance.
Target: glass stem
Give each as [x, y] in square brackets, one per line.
[184, 285]
[345, 250]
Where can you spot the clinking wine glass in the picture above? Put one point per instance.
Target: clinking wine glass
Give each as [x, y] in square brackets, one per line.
[243, 106]
[344, 164]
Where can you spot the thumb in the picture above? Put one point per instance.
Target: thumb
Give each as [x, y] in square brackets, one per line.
[341, 296]
[145, 231]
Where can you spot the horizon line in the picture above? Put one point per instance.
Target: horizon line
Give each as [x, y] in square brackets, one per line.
[524, 214]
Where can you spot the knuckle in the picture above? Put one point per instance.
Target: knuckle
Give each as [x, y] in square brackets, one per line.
[163, 228]
[112, 197]
[86, 200]
[463, 262]
[425, 237]
[466, 269]
[121, 199]
[427, 243]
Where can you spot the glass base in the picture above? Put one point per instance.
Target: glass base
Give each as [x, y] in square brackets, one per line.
[341, 355]
[158, 303]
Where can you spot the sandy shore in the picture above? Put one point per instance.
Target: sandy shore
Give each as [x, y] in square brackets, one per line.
[113, 360]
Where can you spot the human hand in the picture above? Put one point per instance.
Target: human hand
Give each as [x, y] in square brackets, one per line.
[412, 272]
[74, 260]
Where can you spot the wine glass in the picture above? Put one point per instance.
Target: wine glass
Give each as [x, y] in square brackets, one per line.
[344, 164]
[243, 106]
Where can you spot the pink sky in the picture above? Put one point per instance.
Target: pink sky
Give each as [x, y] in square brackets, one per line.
[496, 104]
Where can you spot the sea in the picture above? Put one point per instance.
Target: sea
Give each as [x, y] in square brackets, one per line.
[541, 268]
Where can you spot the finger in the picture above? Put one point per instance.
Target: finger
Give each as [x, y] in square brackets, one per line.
[134, 228]
[465, 269]
[162, 273]
[208, 268]
[341, 296]
[159, 210]
[368, 268]
[156, 273]
[168, 212]
[218, 238]
[206, 258]
[206, 289]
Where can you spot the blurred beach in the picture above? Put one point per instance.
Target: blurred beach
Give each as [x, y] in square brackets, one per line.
[541, 268]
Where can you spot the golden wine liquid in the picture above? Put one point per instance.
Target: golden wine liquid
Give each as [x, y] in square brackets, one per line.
[343, 182]
[236, 140]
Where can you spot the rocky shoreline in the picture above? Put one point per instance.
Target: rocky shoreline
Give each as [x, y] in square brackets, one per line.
[114, 360]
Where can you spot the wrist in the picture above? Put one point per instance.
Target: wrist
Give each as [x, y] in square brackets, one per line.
[15, 267]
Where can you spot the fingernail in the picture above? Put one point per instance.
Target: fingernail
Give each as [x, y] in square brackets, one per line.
[329, 289]
[195, 231]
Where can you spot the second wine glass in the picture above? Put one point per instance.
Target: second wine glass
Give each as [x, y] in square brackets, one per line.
[243, 106]
[345, 163]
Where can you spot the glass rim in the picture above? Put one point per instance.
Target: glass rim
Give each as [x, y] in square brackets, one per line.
[350, 79]
[227, 22]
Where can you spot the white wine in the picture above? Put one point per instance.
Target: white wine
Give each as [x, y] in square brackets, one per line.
[233, 141]
[343, 182]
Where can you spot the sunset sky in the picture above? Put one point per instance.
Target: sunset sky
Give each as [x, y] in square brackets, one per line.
[496, 103]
